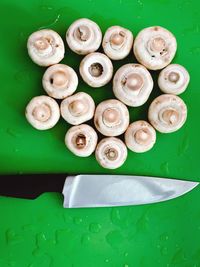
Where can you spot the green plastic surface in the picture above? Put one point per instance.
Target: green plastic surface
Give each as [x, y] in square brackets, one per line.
[41, 233]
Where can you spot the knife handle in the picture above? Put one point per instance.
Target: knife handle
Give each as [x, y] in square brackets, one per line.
[30, 186]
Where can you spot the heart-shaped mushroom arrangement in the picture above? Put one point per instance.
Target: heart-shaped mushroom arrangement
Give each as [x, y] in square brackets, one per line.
[153, 47]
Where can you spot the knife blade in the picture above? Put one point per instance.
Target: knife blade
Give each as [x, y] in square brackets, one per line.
[96, 190]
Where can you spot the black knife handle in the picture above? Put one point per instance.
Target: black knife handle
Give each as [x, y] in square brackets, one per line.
[30, 186]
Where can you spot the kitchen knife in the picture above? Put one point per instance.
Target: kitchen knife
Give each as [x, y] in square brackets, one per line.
[96, 190]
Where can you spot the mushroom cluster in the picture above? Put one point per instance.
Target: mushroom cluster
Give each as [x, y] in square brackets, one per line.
[153, 47]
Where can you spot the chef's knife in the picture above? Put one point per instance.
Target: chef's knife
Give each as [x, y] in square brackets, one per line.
[96, 190]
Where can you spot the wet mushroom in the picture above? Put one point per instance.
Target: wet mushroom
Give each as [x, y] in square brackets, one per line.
[42, 112]
[60, 81]
[155, 47]
[140, 136]
[111, 153]
[77, 108]
[117, 42]
[84, 36]
[132, 84]
[167, 113]
[96, 69]
[45, 47]
[81, 140]
[111, 117]
[173, 79]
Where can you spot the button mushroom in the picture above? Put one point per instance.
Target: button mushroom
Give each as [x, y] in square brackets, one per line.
[81, 140]
[167, 113]
[96, 69]
[45, 47]
[111, 117]
[111, 153]
[77, 108]
[140, 136]
[132, 84]
[155, 47]
[117, 42]
[84, 36]
[42, 112]
[60, 81]
[173, 79]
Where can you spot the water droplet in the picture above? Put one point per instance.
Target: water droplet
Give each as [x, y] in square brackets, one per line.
[165, 167]
[164, 250]
[164, 237]
[114, 239]
[126, 254]
[85, 239]
[142, 223]
[12, 238]
[125, 265]
[106, 260]
[95, 227]
[40, 239]
[78, 220]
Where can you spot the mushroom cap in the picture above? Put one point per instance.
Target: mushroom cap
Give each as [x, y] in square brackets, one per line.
[111, 117]
[84, 36]
[45, 47]
[42, 112]
[111, 153]
[96, 69]
[167, 113]
[60, 81]
[132, 84]
[140, 136]
[81, 140]
[173, 79]
[117, 42]
[77, 108]
[155, 47]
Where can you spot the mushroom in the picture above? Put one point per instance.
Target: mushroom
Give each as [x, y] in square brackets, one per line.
[96, 69]
[132, 84]
[155, 47]
[173, 79]
[42, 112]
[77, 108]
[111, 117]
[140, 136]
[117, 42]
[84, 36]
[45, 47]
[60, 81]
[81, 140]
[111, 153]
[167, 113]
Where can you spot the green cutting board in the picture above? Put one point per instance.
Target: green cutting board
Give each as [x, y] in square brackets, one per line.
[41, 233]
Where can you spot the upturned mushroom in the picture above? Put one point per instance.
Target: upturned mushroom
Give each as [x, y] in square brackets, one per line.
[96, 69]
[111, 153]
[84, 36]
[132, 84]
[45, 47]
[111, 117]
[42, 112]
[77, 108]
[140, 136]
[167, 113]
[60, 81]
[117, 42]
[174, 79]
[155, 47]
[81, 140]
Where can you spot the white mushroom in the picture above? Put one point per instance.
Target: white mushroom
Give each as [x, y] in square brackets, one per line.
[42, 112]
[167, 113]
[111, 117]
[155, 47]
[81, 140]
[77, 108]
[60, 81]
[45, 47]
[117, 42]
[173, 79]
[84, 36]
[132, 84]
[111, 153]
[140, 136]
[96, 69]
